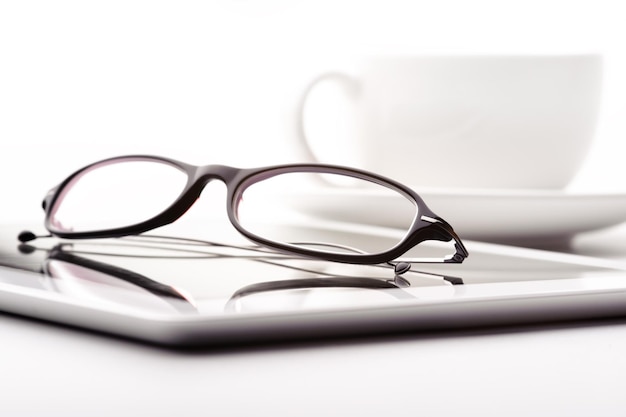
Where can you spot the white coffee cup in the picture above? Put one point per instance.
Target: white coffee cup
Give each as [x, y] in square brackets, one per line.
[456, 121]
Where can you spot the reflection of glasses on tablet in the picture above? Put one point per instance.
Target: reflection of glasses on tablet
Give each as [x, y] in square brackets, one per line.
[133, 194]
[76, 270]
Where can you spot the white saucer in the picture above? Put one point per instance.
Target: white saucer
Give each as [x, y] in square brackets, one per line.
[511, 216]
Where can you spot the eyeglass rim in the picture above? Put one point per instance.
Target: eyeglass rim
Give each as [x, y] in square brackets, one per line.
[425, 226]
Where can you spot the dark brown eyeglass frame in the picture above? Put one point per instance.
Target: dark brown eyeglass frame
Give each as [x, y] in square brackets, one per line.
[426, 226]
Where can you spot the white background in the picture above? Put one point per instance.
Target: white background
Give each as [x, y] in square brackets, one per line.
[210, 81]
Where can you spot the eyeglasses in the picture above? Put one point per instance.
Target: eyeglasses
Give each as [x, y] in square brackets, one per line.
[270, 206]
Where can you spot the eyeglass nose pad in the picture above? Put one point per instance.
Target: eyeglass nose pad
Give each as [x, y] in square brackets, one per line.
[48, 198]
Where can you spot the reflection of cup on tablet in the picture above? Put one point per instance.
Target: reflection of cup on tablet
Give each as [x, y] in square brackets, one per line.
[464, 121]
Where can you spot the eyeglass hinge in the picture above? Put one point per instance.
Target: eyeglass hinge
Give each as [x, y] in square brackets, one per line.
[430, 219]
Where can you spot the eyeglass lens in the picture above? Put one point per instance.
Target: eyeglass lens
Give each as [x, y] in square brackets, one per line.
[115, 195]
[287, 208]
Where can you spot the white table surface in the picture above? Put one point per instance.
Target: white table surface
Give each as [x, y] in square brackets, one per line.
[573, 369]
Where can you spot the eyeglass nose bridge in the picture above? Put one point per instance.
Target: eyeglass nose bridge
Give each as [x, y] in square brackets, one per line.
[198, 179]
[206, 173]
[202, 175]
[231, 177]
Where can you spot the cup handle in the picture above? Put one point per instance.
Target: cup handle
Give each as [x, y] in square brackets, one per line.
[350, 85]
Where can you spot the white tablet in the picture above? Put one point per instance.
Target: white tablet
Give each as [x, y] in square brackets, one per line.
[196, 292]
